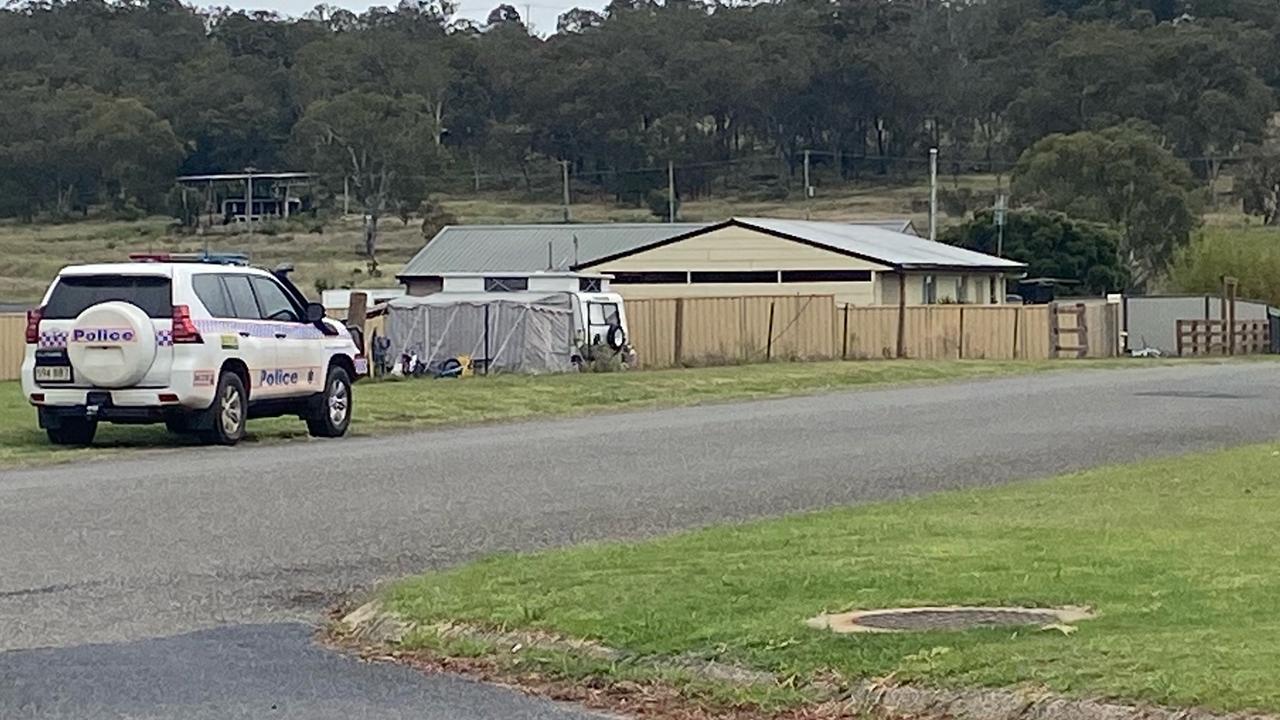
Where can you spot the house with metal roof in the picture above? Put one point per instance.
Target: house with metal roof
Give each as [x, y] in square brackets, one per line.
[860, 264]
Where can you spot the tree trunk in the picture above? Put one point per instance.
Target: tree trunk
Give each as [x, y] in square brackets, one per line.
[880, 150]
[371, 243]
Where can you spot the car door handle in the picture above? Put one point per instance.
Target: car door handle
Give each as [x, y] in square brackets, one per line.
[281, 336]
[244, 334]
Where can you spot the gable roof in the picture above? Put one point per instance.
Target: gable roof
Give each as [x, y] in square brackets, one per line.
[524, 248]
[873, 243]
[896, 249]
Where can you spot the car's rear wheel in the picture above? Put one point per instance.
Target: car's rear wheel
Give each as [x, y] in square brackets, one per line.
[330, 414]
[73, 431]
[228, 412]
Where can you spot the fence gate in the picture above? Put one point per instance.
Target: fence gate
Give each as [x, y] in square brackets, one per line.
[1210, 337]
[1067, 322]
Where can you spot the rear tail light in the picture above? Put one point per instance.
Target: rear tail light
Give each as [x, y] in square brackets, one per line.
[184, 331]
[33, 325]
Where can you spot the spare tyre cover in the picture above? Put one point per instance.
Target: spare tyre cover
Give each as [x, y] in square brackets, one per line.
[111, 345]
[616, 337]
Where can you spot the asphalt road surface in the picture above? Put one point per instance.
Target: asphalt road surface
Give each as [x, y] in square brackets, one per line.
[187, 583]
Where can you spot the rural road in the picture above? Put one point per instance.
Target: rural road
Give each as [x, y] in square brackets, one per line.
[186, 584]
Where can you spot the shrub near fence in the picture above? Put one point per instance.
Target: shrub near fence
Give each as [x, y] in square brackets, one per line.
[707, 331]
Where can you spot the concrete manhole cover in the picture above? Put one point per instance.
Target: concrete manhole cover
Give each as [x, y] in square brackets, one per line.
[946, 618]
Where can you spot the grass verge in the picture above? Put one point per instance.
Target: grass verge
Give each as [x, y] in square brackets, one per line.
[1178, 557]
[408, 404]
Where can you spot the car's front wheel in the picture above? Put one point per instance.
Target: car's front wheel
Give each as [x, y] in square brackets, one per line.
[72, 431]
[228, 412]
[330, 413]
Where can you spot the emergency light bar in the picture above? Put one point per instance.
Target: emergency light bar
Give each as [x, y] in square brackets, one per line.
[229, 258]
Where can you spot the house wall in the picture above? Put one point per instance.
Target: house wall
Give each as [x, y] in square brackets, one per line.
[735, 248]
[968, 288]
[853, 293]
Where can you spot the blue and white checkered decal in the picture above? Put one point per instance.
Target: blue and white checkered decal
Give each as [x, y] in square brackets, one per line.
[52, 339]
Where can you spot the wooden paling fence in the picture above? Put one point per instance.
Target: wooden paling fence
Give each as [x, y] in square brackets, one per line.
[707, 331]
[712, 331]
[13, 327]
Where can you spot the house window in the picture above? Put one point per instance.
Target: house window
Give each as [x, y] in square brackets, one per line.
[797, 276]
[962, 289]
[735, 276]
[591, 285]
[506, 284]
[928, 290]
[650, 278]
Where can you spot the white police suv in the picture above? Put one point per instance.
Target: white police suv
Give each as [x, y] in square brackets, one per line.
[197, 341]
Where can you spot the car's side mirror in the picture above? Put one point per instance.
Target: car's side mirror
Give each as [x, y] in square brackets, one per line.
[314, 313]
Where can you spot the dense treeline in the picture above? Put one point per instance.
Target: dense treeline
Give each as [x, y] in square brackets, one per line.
[105, 102]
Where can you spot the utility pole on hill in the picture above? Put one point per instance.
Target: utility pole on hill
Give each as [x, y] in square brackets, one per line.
[671, 192]
[564, 166]
[808, 188]
[933, 193]
[999, 219]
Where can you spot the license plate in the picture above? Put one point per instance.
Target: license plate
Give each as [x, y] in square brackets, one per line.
[53, 374]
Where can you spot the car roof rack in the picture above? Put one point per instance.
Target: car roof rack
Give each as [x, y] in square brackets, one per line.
[225, 258]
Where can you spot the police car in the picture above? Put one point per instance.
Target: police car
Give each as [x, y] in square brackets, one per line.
[197, 341]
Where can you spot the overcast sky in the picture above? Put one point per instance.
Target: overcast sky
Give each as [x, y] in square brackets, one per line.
[543, 14]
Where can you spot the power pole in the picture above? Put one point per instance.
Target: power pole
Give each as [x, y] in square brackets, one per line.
[248, 200]
[671, 192]
[564, 166]
[999, 218]
[808, 188]
[933, 193]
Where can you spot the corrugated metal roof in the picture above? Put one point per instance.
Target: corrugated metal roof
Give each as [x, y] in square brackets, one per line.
[523, 248]
[876, 243]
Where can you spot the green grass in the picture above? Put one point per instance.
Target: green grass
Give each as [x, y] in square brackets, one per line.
[1178, 556]
[401, 405]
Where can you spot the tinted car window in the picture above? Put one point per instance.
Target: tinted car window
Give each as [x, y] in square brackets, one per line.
[209, 289]
[243, 304]
[76, 293]
[273, 301]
